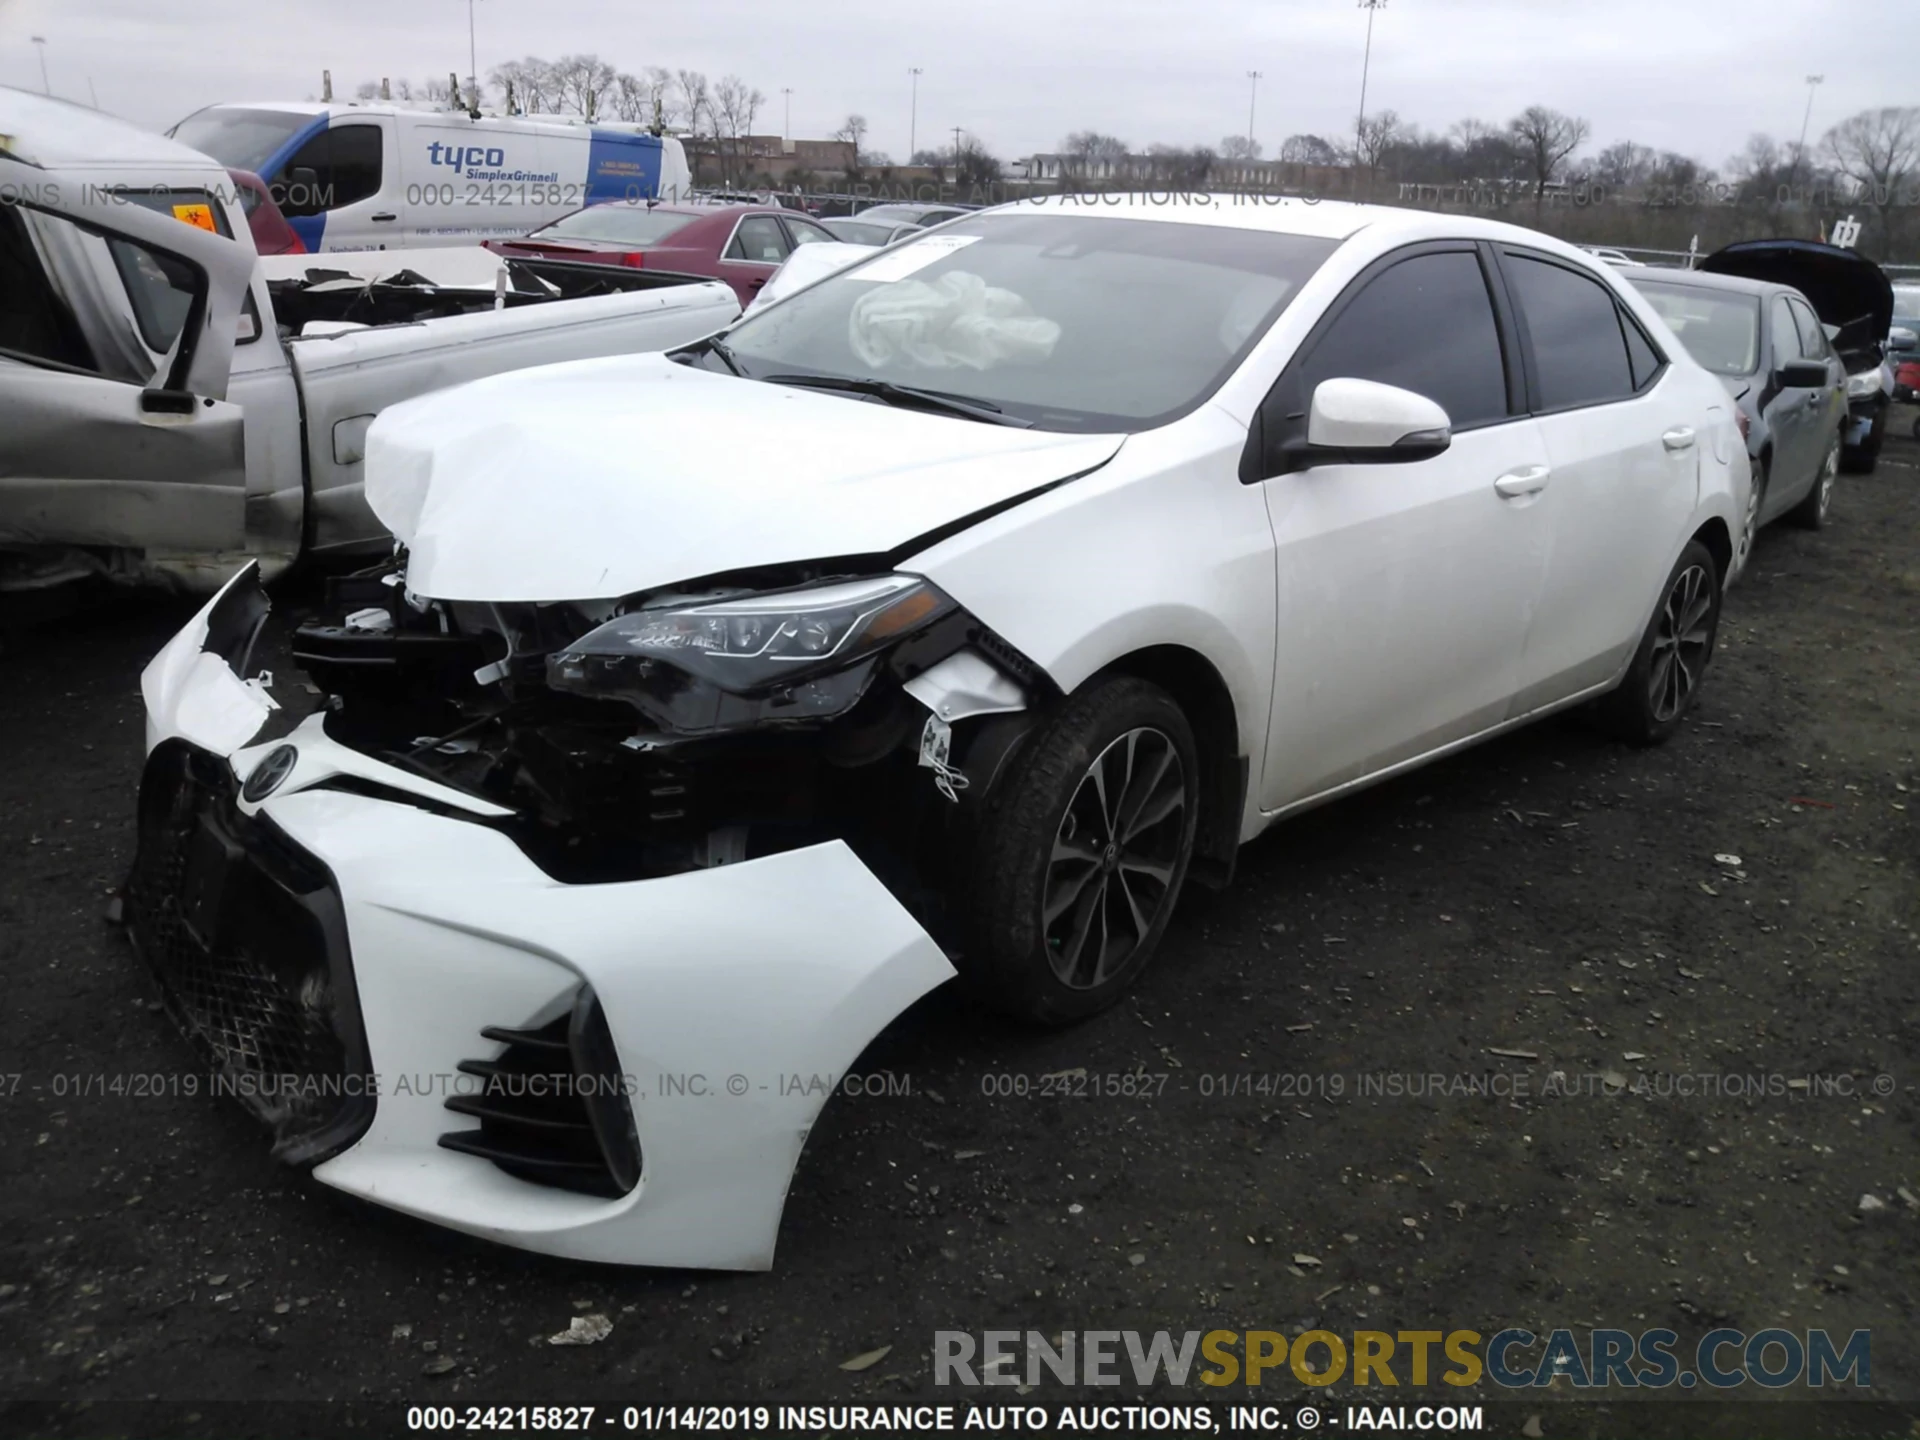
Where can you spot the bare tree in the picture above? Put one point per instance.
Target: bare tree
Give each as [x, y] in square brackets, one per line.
[974, 164]
[1240, 147]
[854, 132]
[582, 83]
[1546, 138]
[533, 82]
[1308, 150]
[1879, 151]
[735, 103]
[659, 83]
[1373, 137]
[1091, 149]
[1623, 165]
[692, 100]
[631, 100]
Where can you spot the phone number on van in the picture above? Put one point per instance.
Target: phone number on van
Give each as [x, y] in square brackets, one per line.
[556, 194]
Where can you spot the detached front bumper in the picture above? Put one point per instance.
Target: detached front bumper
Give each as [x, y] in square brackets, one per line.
[386, 979]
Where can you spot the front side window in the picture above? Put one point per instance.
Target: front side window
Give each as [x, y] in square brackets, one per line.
[806, 233]
[346, 162]
[1070, 321]
[159, 288]
[1579, 354]
[1425, 324]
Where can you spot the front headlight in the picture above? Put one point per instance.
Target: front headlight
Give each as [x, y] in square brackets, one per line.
[786, 655]
[1866, 383]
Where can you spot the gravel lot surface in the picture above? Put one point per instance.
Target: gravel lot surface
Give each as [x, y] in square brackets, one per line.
[1741, 902]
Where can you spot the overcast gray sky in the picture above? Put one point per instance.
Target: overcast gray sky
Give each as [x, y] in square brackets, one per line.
[1697, 76]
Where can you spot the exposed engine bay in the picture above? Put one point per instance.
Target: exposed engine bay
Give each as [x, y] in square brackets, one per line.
[685, 729]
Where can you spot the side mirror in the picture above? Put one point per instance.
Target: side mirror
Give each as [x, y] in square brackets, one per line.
[1804, 375]
[1362, 422]
[304, 176]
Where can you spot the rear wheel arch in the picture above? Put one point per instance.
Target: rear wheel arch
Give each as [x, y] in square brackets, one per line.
[1202, 694]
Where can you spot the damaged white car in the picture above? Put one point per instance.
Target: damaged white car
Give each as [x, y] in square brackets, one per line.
[947, 616]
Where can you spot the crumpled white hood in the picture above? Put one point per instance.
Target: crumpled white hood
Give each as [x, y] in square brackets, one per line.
[599, 478]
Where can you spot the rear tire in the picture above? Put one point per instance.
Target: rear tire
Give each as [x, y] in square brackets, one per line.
[1664, 677]
[1862, 459]
[1081, 855]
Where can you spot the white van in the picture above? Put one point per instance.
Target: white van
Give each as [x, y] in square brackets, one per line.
[382, 176]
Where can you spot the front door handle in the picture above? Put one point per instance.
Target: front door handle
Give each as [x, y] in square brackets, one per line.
[385, 216]
[1527, 480]
[1678, 438]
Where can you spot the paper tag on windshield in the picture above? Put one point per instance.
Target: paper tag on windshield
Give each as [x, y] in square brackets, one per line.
[914, 255]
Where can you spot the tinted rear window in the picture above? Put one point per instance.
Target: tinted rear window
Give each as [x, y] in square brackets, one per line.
[618, 223]
[1720, 329]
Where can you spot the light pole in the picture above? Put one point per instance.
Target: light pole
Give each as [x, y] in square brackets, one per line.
[41, 41]
[473, 63]
[1366, 60]
[1801, 155]
[787, 133]
[1254, 78]
[913, 121]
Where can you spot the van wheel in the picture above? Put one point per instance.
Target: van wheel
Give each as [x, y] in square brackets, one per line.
[1664, 678]
[1081, 855]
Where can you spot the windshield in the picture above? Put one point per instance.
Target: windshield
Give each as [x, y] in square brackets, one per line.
[617, 223]
[1071, 322]
[1720, 329]
[241, 139]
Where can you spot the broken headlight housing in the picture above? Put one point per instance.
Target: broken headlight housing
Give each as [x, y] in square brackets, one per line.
[783, 656]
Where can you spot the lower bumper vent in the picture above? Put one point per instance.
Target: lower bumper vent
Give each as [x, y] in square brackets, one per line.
[553, 1106]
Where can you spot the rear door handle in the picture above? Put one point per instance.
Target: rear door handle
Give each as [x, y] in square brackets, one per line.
[385, 215]
[1527, 480]
[1678, 438]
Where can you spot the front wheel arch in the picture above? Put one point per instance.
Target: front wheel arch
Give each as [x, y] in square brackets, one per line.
[1201, 692]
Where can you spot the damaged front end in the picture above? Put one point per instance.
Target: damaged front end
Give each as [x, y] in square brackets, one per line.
[695, 727]
[528, 927]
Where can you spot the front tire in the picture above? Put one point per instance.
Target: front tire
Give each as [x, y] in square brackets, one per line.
[1082, 853]
[1664, 677]
[1812, 512]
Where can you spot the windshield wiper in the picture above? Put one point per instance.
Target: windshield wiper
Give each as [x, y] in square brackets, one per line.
[717, 346]
[907, 397]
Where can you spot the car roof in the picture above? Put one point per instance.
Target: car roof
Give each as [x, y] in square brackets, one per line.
[1705, 280]
[59, 134]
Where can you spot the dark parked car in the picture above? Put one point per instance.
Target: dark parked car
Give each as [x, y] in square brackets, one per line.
[1854, 298]
[740, 244]
[1770, 350]
[272, 235]
[870, 232]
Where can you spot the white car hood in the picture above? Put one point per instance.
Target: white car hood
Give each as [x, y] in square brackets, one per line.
[599, 478]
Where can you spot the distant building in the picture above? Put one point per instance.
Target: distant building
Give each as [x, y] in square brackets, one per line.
[772, 156]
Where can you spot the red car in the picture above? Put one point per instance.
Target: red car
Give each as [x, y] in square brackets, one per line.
[740, 244]
[272, 235]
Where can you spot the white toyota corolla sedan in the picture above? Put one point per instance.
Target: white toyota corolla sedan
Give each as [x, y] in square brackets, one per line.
[949, 615]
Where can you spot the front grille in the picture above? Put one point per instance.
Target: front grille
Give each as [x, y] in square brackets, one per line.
[552, 1106]
[244, 932]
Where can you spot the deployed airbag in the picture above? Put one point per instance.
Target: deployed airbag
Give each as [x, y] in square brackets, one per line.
[957, 321]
